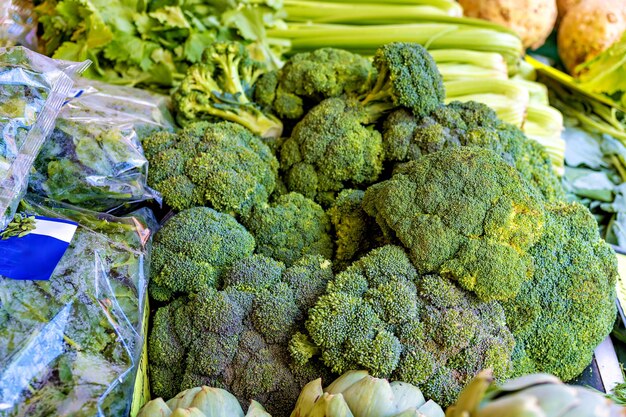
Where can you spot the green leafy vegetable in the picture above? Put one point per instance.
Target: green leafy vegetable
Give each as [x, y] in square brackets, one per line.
[152, 43]
[69, 346]
[20, 226]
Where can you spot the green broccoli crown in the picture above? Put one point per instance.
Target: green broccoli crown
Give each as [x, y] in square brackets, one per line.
[407, 77]
[531, 160]
[193, 248]
[381, 315]
[355, 232]
[291, 227]
[221, 165]
[220, 86]
[235, 337]
[310, 77]
[330, 149]
[425, 206]
[568, 307]
[407, 137]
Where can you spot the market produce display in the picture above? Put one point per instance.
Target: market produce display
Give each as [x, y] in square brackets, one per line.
[246, 200]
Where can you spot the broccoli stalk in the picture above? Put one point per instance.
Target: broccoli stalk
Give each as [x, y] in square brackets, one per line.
[220, 87]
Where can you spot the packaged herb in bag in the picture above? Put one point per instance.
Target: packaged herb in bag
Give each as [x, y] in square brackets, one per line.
[32, 89]
[70, 344]
[93, 157]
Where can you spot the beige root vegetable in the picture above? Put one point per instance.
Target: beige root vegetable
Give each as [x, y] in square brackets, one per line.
[588, 29]
[564, 5]
[533, 20]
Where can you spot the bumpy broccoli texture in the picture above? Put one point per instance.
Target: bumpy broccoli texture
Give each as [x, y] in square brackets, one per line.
[454, 248]
[381, 315]
[221, 165]
[291, 227]
[221, 87]
[568, 307]
[333, 147]
[310, 77]
[192, 250]
[330, 149]
[355, 232]
[236, 337]
[463, 213]
[407, 137]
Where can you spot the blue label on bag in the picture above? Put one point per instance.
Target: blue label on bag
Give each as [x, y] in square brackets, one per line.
[36, 255]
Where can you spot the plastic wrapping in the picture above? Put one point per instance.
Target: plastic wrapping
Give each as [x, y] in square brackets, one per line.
[32, 90]
[70, 346]
[18, 25]
[93, 157]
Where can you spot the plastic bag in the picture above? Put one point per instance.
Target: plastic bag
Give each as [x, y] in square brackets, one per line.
[70, 346]
[94, 157]
[18, 25]
[32, 90]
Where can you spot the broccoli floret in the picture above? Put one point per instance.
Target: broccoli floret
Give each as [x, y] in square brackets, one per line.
[221, 86]
[291, 227]
[166, 350]
[221, 165]
[193, 248]
[568, 307]
[407, 137]
[310, 77]
[407, 77]
[329, 149]
[235, 337]
[355, 232]
[465, 214]
[381, 315]
[308, 277]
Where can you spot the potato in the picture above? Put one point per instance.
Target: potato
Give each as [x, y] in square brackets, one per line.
[533, 20]
[588, 29]
[564, 5]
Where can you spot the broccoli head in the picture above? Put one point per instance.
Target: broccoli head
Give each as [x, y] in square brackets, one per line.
[463, 213]
[221, 87]
[335, 146]
[291, 227]
[308, 78]
[235, 337]
[221, 165]
[355, 232]
[407, 137]
[407, 77]
[381, 315]
[568, 308]
[330, 149]
[193, 248]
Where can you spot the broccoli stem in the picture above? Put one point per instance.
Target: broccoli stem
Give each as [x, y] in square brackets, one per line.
[254, 120]
[229, 63]
[377, 101]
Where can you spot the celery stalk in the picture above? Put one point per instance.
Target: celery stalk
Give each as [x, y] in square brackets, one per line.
[509, 100]
[364, 14]
[454, 72]
[489, 60]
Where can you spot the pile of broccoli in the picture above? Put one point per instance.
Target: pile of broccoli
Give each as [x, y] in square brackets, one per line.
[384, 231]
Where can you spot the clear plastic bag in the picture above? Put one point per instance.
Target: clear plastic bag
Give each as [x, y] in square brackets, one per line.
[94, 157]
[70, 346]
[32, 89]
[18, 25]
